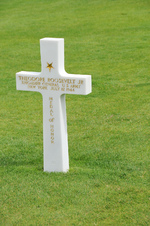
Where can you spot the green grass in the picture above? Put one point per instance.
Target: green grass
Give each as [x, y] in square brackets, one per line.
[108, 130]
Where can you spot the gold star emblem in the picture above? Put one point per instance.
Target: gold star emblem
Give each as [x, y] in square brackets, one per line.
[49, 66]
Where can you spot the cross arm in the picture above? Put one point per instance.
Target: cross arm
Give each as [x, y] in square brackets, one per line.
[29, 81]
[76, 84]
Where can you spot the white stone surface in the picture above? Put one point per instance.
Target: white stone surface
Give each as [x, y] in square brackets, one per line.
[53, 83]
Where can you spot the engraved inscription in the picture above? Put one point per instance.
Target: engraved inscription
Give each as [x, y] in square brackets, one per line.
[53, 84]
[51, 119]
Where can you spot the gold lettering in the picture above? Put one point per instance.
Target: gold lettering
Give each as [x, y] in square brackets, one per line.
[35, 83]
[24, 82]
[20, 77]
[51, 119]
[55, 88]
[70, 90]
[52, 80]
[32, 78]
[80, 82]
[42, 87]
[60, 80]
[75, 86]
[31, 87]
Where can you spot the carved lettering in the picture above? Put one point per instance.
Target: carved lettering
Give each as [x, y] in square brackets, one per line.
[51, 120]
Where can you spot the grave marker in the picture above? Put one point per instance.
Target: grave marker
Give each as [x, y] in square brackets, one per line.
[53, 83]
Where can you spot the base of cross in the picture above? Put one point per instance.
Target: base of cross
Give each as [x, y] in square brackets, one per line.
[53, 83]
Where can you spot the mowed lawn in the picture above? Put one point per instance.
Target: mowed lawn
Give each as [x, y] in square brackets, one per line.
[108, 130]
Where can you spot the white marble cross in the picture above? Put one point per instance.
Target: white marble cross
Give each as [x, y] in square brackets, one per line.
[53, 83]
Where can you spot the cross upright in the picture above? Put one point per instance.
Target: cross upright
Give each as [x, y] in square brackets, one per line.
[53, 83]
